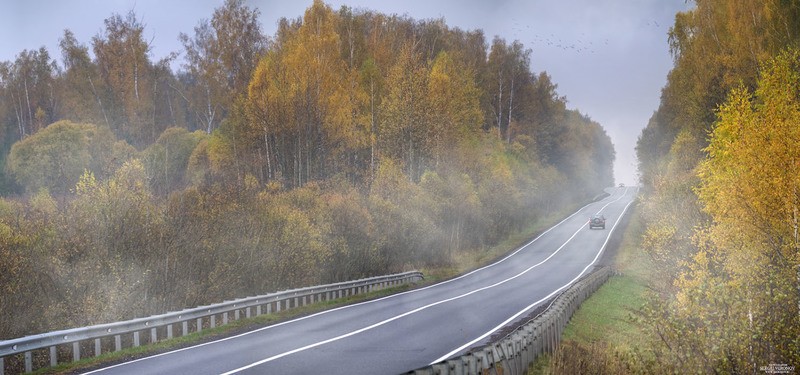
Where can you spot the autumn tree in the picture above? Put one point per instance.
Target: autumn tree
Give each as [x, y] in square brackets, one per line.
[28, 86]
[167, 159]
[736, 273]
[454, 100]
[116, 247]
[404, 120]
[220, 58]
[754, 245]
[305, 91]
[509, 75]
[121, 52]
[81, 84]
[716, 47]
[55, 157]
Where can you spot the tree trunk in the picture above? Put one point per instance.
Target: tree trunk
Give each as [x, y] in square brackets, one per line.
[500, 105]
[510, 108]
[99, 101]
[18, 113]
[267, 148]
[28, 100]
[210, 113]
[373, 136]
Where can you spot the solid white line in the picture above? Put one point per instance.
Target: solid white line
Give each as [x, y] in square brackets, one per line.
[367, 302]
[515, 316]
[378, 324]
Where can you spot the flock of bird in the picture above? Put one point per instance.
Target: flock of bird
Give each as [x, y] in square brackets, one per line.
[582, 45]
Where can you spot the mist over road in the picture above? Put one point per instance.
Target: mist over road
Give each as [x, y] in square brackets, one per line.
[405, 331]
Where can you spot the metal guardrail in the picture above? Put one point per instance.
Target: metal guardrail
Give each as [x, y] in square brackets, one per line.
[514, 353]
[196, 318]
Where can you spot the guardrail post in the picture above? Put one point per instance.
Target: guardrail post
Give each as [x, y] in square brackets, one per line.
[439, 368]
[76, 351]
[454, 367]
[550, 334]
[97, 347]
[514, 353]
[473, 364]
[184, 328]
[553, 334]
[53, 358]
[136, 339]
[169, 331]
[28, 362]
[2, 366]
[153, 335]
[247, 313]
[117, 343]
[213, 321]
[546, 336]
[530, 356]
[296, 303]
[199, 324]
[258, 310]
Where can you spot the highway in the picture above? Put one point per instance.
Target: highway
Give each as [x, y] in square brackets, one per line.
[405, 331]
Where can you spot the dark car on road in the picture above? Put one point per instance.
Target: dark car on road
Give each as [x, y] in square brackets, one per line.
[597, 221]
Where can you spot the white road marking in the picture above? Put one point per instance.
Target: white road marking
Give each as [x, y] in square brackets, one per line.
[374, 301]
[383, 322]
[515, 316]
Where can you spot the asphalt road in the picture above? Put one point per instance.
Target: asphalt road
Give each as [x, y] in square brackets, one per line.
[409, 330]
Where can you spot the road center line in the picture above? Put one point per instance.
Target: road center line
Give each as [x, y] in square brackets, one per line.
[515, 316]
[367, 302]
[383, 322]
[378, 324]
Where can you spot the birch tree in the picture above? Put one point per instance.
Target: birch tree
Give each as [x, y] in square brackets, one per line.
[221, 56]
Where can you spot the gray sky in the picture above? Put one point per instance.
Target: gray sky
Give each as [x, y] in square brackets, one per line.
[610, 58]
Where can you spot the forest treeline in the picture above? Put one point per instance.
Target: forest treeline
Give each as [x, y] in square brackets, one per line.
[720, 164]
[349, 144]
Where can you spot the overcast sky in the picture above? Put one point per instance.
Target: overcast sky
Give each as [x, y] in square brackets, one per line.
[610, 58]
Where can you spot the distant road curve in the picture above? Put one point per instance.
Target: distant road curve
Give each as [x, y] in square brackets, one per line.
[405, 331]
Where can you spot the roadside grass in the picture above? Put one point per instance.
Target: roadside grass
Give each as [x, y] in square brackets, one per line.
[464, 262]
[607, 316]
[603, 336]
